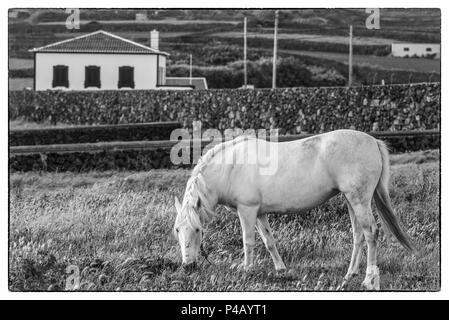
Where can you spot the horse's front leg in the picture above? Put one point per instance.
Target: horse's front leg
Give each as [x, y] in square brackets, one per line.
[263, 226]
[248, 218]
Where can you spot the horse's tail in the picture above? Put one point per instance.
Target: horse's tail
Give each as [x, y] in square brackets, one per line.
[383, 202]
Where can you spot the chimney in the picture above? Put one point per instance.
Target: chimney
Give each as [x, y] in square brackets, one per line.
[154, 38]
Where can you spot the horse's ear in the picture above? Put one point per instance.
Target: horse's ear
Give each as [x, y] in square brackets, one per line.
[177, 204]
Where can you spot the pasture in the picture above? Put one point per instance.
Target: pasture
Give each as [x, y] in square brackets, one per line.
[386, 63]
[308, 37]
[116, 227]
[18, 63]
[17, 84]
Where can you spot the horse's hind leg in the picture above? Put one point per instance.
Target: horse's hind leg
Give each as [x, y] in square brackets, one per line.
[361, 204]
[263, 227]
[357, 234]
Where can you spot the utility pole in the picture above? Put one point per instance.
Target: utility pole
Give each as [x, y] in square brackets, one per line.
[190, 75]
[350, 58]
[275, 47]
[245, 84]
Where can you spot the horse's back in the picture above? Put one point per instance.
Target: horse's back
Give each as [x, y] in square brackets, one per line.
[312, 170]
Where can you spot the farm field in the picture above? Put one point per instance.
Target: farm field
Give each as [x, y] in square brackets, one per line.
[17, 84]
[387, 62]
[171, 21]
[18, 63]
[309, 37]
[132, 35]
[116, 227]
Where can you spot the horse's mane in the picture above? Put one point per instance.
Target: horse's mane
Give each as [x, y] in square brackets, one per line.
[197, 208]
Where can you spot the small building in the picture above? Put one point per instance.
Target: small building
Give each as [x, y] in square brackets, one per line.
[198, 83]
[409, 50]
[100, 61]
[141, 16]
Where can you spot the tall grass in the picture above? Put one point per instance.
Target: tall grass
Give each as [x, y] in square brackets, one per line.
[116, 227]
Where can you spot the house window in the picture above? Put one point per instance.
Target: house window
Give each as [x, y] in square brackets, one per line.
[161, 76]
[92, 77]
[126, 77]
[406, 49]
[429, 49]
[60, 76]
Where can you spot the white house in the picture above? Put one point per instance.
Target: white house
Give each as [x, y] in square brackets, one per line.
[415, 49]
[101, 61]
[141, 16]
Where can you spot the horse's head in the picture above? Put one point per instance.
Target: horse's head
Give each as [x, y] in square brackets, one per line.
[189, 232]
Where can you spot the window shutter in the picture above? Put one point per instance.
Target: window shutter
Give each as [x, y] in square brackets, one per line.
[60, 76]
[92, 77]
[65, 71]
[86, 77]
[131, 77]
[120, 77]
[55, 77]
[126, 77]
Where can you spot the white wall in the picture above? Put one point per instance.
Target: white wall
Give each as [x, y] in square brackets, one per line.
[419, 49]
[145, 66]
[163, 64]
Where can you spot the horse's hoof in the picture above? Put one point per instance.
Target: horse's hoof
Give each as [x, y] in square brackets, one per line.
[343, 285]
[372, 279]
[280, 268]
[371, 284]
[348, 277]
[281, 271]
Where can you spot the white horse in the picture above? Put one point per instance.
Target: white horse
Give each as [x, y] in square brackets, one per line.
[309, 172]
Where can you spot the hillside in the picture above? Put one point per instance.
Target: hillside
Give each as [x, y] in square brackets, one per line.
[411, 25]
[317, 37]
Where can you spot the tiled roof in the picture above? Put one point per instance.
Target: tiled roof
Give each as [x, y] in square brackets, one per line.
[198, 83]
[98, 42]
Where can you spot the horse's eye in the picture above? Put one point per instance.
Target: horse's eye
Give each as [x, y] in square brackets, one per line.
[197, 230]
[177, 230]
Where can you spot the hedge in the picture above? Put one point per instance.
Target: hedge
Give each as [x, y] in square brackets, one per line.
[89, 134]
[84, 161]
[292, 110]
[139, 160]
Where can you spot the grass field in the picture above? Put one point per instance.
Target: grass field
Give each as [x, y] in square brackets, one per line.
[132, 35]
[18, 63]
[116, 228]
[309, 37]
[386, 63]
[17, 84]
[170, 21]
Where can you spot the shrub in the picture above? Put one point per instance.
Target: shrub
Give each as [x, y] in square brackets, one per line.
[89, 134]
[292, 110]
[21, 73]
[141, 160]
